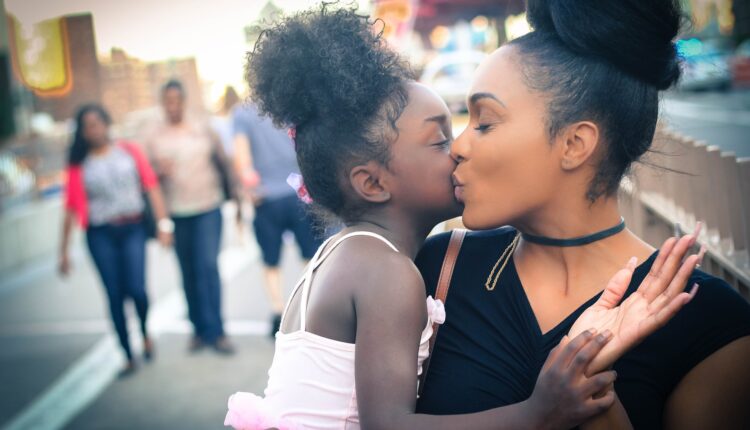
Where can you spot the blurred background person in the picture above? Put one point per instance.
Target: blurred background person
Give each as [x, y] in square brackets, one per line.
[106, 184]
[221, 123]
[264, 157]
[192, 168]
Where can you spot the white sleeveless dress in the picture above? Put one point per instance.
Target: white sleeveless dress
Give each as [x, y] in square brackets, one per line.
[311, 379]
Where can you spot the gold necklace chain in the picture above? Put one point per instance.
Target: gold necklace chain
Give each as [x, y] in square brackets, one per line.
[505, 257]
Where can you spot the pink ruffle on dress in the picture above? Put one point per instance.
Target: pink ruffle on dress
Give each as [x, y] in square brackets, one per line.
[250, 412]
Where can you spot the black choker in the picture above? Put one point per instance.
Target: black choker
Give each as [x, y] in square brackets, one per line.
[577, 241]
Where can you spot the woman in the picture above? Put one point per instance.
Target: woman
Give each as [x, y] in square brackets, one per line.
[104, 193]
[192, 169]
[373, 148]
[556, 119]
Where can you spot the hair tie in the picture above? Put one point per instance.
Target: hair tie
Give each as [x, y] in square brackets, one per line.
[292, 133]
[296, 181]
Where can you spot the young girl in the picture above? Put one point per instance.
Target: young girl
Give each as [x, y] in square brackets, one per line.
[372, 146]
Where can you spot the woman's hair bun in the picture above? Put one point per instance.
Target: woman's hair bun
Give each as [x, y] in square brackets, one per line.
[634, 35]
[325, 64]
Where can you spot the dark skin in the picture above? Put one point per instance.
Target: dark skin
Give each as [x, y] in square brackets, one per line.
[369, 295]
[506, 152]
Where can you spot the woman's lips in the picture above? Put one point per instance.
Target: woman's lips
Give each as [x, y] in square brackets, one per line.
[458, 193]
[458, 188]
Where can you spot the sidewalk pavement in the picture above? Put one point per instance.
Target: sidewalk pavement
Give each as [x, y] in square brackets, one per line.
[59, 359]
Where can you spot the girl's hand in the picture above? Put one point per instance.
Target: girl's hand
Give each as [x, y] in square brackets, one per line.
[564, 396]
[657, 300]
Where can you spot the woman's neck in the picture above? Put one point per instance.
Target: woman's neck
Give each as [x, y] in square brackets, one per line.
[576, 220]
[100, 149]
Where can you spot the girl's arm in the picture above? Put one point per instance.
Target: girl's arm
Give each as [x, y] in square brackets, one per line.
[391, 314]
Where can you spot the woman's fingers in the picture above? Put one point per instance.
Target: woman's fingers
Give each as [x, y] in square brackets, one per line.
[666, 273]
[661, 257]
[676, 286]
[617, 286]
[662, 316]
[683, 275]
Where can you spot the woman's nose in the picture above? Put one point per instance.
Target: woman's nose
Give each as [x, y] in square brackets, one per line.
[459, 148]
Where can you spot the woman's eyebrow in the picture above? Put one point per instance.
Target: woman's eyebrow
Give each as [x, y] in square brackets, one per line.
[476, 97]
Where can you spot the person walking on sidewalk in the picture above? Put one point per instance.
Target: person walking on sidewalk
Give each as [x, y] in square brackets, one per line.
[106, 182]
[264, 157]
[191, 166]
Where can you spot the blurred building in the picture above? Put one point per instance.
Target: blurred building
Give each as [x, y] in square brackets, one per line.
[130, 84]
[126, 84]
[84, 79]
[186, 71]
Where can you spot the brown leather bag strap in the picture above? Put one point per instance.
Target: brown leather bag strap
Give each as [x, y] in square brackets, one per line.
[441, 292]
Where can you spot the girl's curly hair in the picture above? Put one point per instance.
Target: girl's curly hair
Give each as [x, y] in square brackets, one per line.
[328, 72]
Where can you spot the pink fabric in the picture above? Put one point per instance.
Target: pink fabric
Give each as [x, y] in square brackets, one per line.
[435, 310]
[249, 412]
[75, 191]
[296, 181]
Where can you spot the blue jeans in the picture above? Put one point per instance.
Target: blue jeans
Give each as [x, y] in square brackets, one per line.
[119, 253]
[273, 218]
[197, 239]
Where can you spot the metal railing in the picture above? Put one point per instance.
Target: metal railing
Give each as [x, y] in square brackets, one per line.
[684, 181]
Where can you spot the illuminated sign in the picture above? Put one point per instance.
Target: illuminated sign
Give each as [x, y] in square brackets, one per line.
[41, 56]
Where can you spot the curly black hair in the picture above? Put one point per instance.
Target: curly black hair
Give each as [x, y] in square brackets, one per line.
[328, 72]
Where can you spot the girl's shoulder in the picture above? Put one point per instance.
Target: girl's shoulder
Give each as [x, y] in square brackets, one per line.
[359, 259]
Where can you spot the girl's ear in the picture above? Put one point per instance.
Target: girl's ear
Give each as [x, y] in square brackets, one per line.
[366, 182]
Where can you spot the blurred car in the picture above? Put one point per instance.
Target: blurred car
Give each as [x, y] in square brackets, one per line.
[450, 75]
[705, 64]
[741, 65]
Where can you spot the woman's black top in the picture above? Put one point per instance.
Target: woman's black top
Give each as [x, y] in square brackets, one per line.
[490, 349]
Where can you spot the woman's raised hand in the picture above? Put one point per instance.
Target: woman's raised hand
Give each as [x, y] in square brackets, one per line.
[659, 297]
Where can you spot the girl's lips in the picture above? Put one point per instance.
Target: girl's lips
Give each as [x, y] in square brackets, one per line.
[458, 193]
